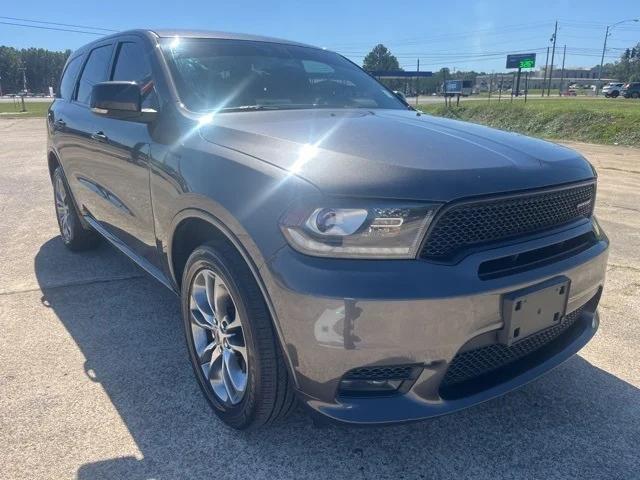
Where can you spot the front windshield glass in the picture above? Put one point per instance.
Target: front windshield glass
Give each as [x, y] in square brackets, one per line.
[218, 74]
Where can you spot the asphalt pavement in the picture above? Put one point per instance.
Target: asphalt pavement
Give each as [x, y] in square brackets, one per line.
[95, 381]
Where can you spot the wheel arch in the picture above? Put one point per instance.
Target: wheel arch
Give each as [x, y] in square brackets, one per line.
[53, 162]
[192, 228]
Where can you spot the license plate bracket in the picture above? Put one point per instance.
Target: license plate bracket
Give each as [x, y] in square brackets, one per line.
[533, 309]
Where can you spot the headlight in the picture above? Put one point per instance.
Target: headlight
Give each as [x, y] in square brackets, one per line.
[384, 231]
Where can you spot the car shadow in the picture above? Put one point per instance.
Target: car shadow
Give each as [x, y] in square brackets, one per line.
[578, 421]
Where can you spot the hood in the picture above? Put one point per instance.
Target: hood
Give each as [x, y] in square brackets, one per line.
[396, 153]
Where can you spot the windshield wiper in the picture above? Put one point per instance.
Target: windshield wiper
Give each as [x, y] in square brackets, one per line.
[284, 106]
[242, 108]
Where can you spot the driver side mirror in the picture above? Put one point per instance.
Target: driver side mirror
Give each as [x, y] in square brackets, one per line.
[120, 100]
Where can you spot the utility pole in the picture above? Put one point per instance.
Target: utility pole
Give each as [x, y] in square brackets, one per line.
[546, 70]
[604, 49]
[553, 53]
[490, 86]
[500, 87]
[24, 78]
[444, 85]
[513, 81]
[564, 55]
[417, 82]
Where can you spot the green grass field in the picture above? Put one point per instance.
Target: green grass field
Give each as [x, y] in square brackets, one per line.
[605, 121]
[34, 109]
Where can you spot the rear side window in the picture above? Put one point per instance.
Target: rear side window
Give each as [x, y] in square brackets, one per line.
[132, 65]
[95, 71]
[69, 78]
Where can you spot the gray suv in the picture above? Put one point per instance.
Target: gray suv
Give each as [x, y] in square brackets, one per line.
[329, 243]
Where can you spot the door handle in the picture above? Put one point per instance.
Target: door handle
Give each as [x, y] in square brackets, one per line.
[99, 136]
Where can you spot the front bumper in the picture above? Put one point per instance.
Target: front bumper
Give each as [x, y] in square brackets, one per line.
[337, 315]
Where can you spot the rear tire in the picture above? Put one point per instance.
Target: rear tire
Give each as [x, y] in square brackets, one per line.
[615, 94]
[240, 369]
[74, 235]
[635, 95]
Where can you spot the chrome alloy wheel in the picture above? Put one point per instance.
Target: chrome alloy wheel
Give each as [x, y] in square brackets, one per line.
[218, 337]
[63, 209]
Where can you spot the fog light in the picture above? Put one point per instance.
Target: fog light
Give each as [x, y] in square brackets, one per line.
[369, 386]
[384, 379]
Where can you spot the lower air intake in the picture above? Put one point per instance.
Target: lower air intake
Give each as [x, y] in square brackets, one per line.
[474, 363]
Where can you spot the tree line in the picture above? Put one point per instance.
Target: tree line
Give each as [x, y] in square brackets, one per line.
[627, 69]
[42, 69]
[380, 58]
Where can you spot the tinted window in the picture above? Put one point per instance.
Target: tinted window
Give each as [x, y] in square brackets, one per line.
[217, 74]
[95, 71]
[69, 78]
[133, 65]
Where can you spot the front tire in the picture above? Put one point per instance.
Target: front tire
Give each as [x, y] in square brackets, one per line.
[74, 235]
[232, 345]
[615, 94]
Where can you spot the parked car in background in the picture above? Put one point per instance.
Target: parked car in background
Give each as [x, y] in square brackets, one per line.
[631, 90]
[328, 242]
[612, 89]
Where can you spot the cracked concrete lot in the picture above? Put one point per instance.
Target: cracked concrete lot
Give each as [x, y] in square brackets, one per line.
[95, 381]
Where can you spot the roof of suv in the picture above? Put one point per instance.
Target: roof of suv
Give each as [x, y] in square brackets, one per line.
[163, 33]
[222, 35]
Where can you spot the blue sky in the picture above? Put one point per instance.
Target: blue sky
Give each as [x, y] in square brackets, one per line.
[457, 34]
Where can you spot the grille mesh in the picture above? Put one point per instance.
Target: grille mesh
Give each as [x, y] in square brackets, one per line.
[473, 363]
[480, 222]
[396, 372]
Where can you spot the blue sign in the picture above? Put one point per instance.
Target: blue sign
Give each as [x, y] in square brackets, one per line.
[453, 86]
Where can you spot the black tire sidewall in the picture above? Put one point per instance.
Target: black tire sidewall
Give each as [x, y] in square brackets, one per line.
[239, 415]
[58, 173]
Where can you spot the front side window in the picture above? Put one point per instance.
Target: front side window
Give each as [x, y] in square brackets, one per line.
[95, 71]
[69, 77]
[132, 65]
[218, 74]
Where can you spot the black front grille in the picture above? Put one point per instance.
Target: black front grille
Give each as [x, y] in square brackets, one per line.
[484, 221]
[474, 363]
[393, 372]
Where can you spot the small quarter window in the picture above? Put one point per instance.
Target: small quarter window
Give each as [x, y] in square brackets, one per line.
[132, 65]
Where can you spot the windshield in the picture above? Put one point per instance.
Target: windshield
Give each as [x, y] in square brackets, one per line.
[218, 74]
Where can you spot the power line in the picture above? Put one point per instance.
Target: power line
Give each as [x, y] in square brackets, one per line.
[454, 54]
[58, 24]
[448, 36]
[50, 28]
